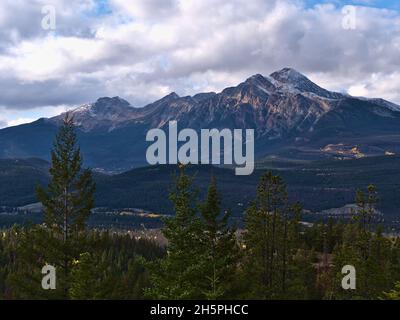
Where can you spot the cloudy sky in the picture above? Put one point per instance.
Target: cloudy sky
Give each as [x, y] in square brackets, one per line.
[142, 50]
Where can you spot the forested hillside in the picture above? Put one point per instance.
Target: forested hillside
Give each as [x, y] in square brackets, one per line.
[273, 255]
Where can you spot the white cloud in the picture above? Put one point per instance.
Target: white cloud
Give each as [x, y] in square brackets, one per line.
[148, 9]
[147, 48]
[9, 117]
[378, 85]
[19, 121]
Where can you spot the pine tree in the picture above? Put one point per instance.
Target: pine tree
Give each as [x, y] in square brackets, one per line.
[83, 278]
[220, 255]
[67, 201]
[35, 248]
[178, 276]
[347, 253]
[366, 211]
[289, 241]
[264, 237]
[365, 248]
[301, 282]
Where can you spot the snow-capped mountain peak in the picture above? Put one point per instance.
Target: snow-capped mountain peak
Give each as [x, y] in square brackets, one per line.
[105, 112]
[288, 75]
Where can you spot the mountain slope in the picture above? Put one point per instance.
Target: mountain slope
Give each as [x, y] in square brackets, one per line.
[292, 118]
[19, 178]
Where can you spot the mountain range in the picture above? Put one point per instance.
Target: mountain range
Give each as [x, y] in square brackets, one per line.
[293, 119]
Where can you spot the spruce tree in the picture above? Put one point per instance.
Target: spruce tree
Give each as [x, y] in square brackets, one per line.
[264, 237]
[36, 248]
[178, 276]
[84, 277]
[67, 201]
[289, 241]
[365, 248]
[220, 256]
[366, 211]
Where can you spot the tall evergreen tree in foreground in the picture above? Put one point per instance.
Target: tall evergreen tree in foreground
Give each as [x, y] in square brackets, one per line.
[70, 194]
[263, 221]
[67, 201]
[178, 276]
[364, 247]
[270, 239]
[218, 240]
